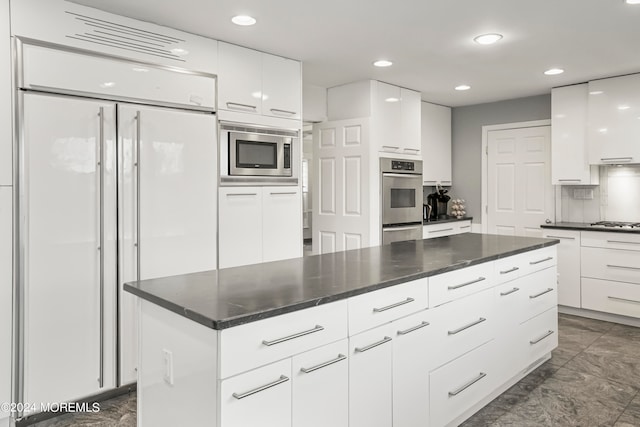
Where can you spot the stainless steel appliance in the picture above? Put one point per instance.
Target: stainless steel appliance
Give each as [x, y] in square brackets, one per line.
[617, 224]
[401, 187]
[258, 152]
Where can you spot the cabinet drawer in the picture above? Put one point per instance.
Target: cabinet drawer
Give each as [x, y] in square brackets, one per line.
[538, 336]
[254, 397]
[540, 293]
[611, 297]
[460, 384]
[462, 325]
[522, 264]
[611, 264]
[385, 305]
[439, 230]
[597, 239]
[255, 344]
[459, 283]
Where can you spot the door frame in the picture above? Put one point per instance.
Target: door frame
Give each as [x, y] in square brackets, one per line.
[484, 207]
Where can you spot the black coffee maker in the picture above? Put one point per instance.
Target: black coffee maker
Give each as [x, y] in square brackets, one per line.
[438, 202]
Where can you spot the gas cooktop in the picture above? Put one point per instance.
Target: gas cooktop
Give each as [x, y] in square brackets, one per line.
[616, 224]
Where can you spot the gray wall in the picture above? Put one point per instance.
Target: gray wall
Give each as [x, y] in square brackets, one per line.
[466, 144]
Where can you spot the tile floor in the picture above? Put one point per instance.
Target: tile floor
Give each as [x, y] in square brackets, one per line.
[592, 379]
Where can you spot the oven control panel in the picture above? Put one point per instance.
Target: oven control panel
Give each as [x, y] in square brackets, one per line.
[398, 165]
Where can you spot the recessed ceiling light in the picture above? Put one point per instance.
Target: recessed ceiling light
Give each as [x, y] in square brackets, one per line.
[179, 51]
[596, 92]
[140, 70]
[383, 63]
[463, 87]
[107, 84]
[392, 100]
[623, 107]
[603, 130]
[487, 38]
[243, 20]
[554, 71]
[632, 1]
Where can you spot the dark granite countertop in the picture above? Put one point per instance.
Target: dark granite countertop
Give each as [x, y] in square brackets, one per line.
[229, 297]
[588, 227]
[442, 221]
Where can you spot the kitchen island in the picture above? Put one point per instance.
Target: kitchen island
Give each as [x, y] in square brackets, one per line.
[413, 333]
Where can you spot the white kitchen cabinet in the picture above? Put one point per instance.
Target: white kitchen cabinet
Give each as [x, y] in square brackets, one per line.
[240, 231]
[411, 121]
[568, 265]
[259, 224]
[253, 82]
[371, 378]
[6, 137]
[387, 107]
[281, 87]
[281, 223]
[412, 361]
[435, 229]
[320, 387]
[6, 292]
[614, 128]
[436, 144]
[569, 157]
[259, 397]
[239, 78]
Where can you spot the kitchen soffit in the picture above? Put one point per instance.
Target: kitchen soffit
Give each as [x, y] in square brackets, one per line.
[430, 42]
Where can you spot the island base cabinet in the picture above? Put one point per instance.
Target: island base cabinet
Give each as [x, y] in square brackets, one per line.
[462, 383]
[370, 378]
[321, 387]
[258, 398]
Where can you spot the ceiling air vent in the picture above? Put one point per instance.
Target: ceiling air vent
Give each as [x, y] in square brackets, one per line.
[112, 34]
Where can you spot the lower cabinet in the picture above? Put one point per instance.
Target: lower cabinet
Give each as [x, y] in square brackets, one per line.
[436, 229]
[568, 265]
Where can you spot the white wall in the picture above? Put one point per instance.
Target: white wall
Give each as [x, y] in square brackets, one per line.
[314, 103]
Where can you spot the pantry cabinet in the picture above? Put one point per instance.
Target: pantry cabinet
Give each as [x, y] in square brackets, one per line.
[569, 157]
[568, 265]
[436, 142]
[254, 82]
[614, 128]
[6, 292]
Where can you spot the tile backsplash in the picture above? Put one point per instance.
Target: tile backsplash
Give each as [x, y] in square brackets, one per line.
[617, 198]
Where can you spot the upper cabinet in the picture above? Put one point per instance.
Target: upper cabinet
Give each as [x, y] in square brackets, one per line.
[6, 137]
[258, 83]
[614, 120]
[569, 162]
[436, 144]
[395, 113]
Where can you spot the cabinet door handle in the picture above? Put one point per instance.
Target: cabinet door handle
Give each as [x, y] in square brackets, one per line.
[560, 237]
[389, 307]
[624, 300]
[541, 261]
[282, 379]
[626, 267]
[569, 180]
[467, 385]
[622, 241]
[438, 231]
[511, 270]
[101, 247]
[237, 106]
[465, 226]
[414, 328]
[396, 147]
[617, 159]
[276, 193]
[241, 194]
[537, 340]
[411, 149]
[324, 364]
[375, 344]
[317, 328]
[457, 331]
[283, 112]
[462, 285]
[504, 294]
[541, 293]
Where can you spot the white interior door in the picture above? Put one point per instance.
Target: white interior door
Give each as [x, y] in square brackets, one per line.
[519, 194]
[167, 199]
[63, 238]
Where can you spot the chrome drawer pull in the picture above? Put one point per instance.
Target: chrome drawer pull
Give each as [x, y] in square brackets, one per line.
[415, 328]
[286, 112]
[624, 300]
[438, 231]
[541, 260]
[569, 180]
[560, 237]
[536, 341]
[623, 266]
[237, 106]
[467, 385]
[504, 294]
[340, 358]
[541, 293]
[461, 285]
[456, 331]
[389, 307]
[280, 380]
[241, 194]
[318, 328]
[375, 344]
[273, 193]
[511, 270]
[617, 159]
[622, 241]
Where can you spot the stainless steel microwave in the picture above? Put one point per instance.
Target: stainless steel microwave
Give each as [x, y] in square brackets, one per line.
[260, 154]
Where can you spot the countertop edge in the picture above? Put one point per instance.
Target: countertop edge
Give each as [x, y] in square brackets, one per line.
[586, 227]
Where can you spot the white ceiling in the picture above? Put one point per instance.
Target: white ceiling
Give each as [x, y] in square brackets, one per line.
[430, 41]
